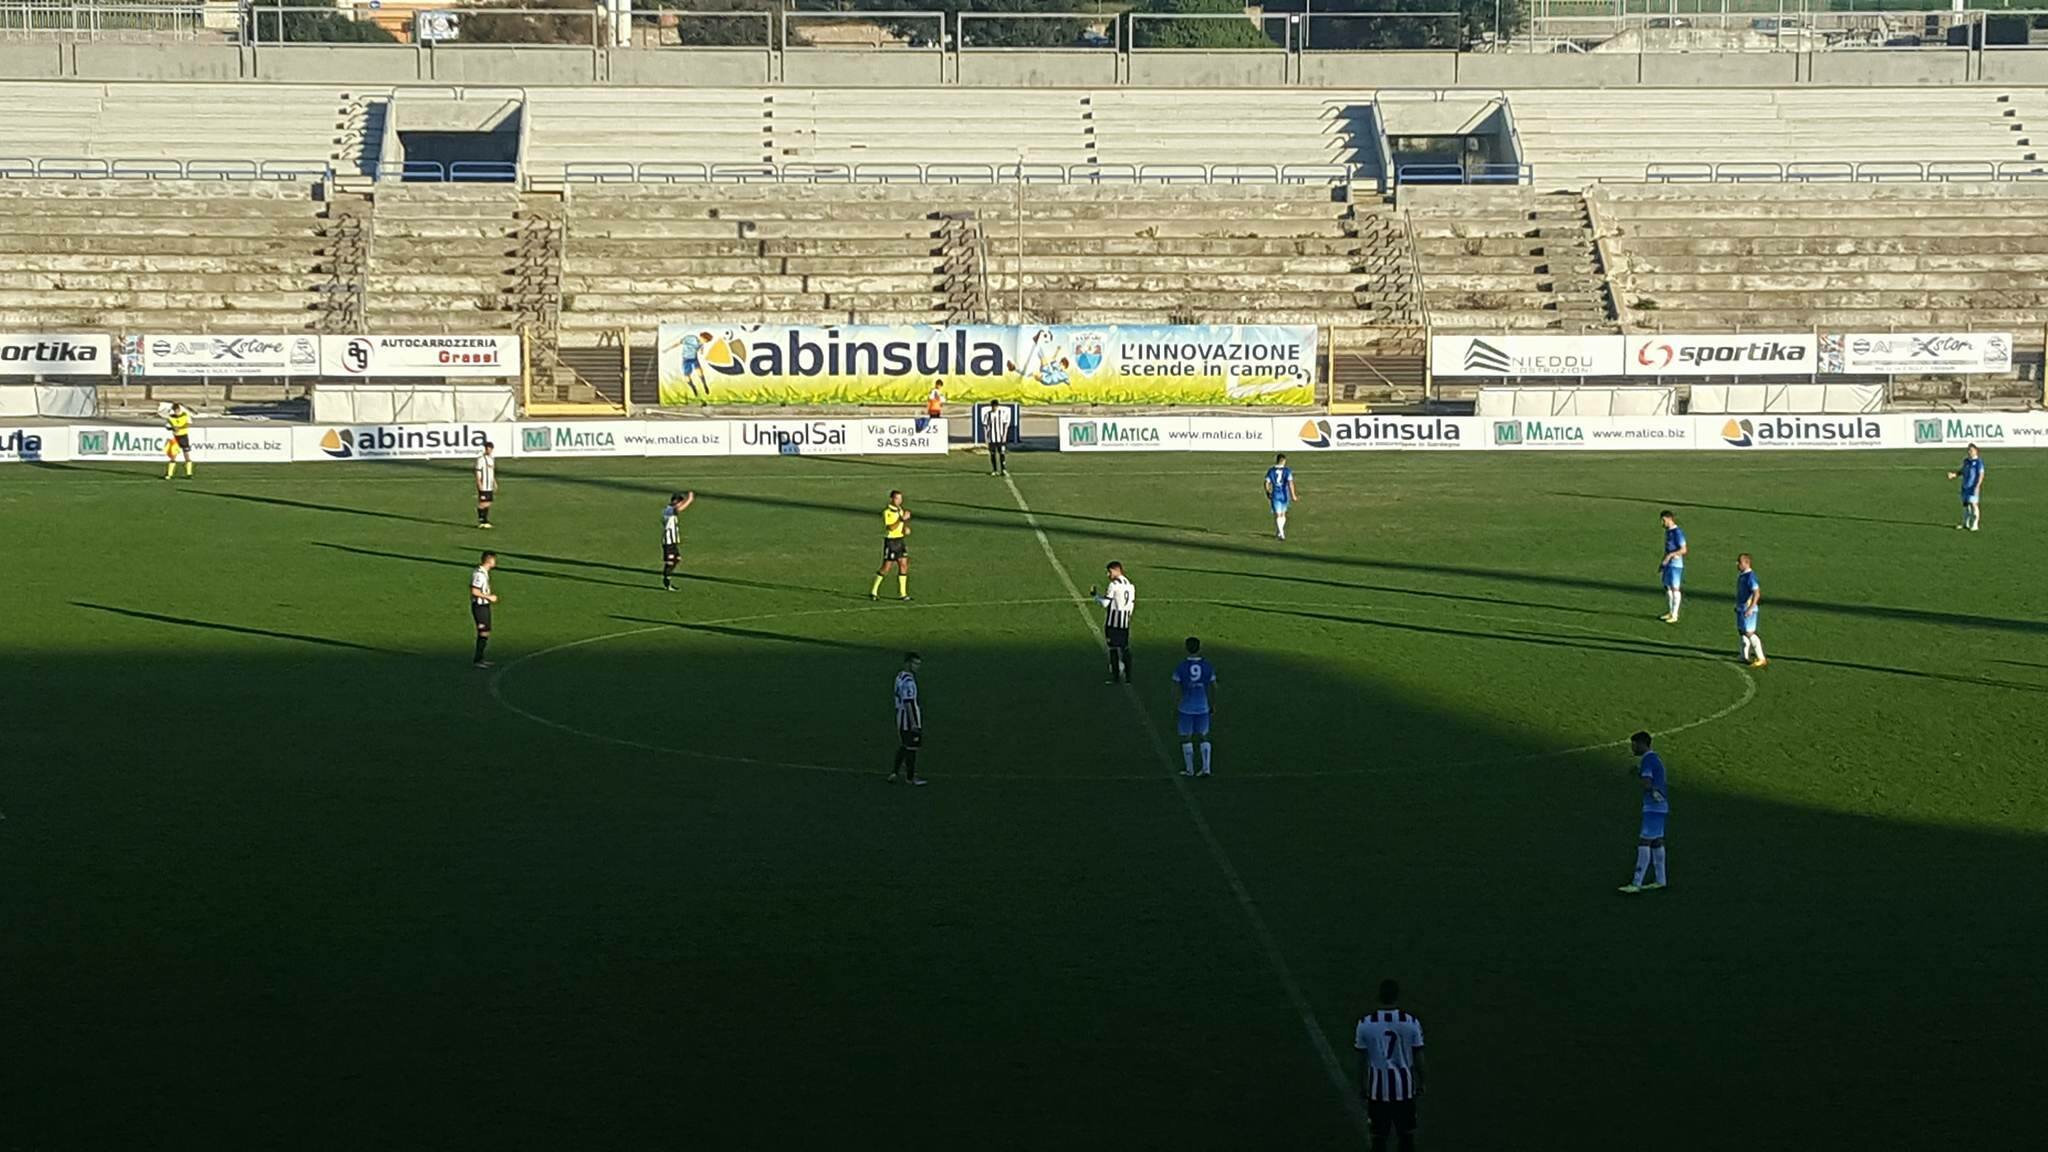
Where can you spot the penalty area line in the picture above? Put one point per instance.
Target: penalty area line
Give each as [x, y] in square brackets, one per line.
[1268, 943]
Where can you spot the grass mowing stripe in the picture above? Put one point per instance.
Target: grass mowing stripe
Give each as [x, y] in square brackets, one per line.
[1267, 941]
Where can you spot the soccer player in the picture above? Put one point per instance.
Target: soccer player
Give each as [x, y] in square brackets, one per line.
[1749, 593]
[1971, 473]
[935, 401]
[480, 600]
[909, 722]
[1194, 682]
[1672, 570]
[995, 430]
[486, 483]
[1280, 491]
[895, 547]
[1656, 808]
[672, 536]
[177, 439]
[1389, 1045]
[1119, 601]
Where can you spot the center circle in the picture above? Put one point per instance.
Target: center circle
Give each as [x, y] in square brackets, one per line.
[1012, 691]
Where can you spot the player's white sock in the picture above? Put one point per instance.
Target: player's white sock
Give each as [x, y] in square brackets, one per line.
[1205, 757]
[1756, 645]
[1657, 858]
[1677, 598]
[1745, 646]
[1187, 755]
[1642, 862]
[1280, 524]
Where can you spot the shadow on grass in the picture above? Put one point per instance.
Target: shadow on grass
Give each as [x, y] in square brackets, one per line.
[470, 562]
[1652, 505]
[237, 629]
[310, 506]
[1324, 582]
[737, 633]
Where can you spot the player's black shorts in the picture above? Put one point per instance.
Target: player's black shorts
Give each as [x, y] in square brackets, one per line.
[895, 549]
[1390, 1116]
[486, 495]
[184, 443]
[911, 738]
[482, 614]
[670, 553]
[1117, 637]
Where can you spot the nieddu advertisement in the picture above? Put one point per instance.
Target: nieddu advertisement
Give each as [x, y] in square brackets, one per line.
[1043, 364]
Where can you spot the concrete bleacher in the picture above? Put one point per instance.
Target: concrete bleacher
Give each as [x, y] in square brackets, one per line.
[1861, 257]
[1575, 137]
[444, 259]
[1074, 129]
[1508, 259]
[162, 256]
[634, 256]
[298, 124]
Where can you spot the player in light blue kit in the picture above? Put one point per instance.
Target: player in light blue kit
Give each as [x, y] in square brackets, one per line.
[1280, 490]
[1194, 685]
[1749, 595]
[1656, 808]
[1971, 473]
[1672, 571]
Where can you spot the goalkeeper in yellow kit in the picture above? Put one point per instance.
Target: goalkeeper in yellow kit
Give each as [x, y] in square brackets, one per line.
[177, 439]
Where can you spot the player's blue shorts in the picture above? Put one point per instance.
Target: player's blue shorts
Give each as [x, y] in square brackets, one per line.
[1279, 504]
[1674, 574]
[1745, 622]
[1969, 497]
[1653, 825]
[1194, 723]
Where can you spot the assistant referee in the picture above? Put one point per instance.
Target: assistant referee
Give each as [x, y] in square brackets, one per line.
[895, 547]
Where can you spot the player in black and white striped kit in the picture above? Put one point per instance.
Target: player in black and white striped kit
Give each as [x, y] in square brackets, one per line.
[995, 431]
[672, 536]
[1389, 1044]
[909, 722]
[1119, 601]
[480, 600]
[486, 483]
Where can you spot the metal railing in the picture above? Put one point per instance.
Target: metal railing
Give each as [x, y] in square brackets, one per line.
[456, 172]
[1845, 172]
[116, 168]
[1464, 174]
[103, 19]
[690, 172]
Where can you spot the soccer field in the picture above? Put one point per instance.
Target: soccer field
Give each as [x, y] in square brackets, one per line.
[283, 870]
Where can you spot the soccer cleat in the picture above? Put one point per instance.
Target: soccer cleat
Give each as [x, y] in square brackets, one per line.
[894, 778]
[481, 664]
[905, 598]
[1203, 772]
[1759, 662]
[872, 596]
[1630, 889]
[1668, 618]
[1653, 886]
[484, 526]
[919, 781]
[1187, 771]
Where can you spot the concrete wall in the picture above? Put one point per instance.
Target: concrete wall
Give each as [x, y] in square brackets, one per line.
[553, 64]
[1023, 68]
[811, 67]
[695, 67]
[1379, 69]
[1194, 69]
[1937, 66]
[32, 60]
[339, 63]
[107, 60]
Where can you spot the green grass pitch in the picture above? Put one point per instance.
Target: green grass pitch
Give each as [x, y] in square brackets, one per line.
[282, 870]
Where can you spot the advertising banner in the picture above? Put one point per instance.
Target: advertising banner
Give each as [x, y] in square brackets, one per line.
[1591, 433]
[1383, 433]
[257, 356]
[880, 436]
[221, 444]
[398, 441]
[419, 357]
[1809, 432]
[1984, 429]
[1048, 364]
[1916, 353]
[55, 354]
[1167, 434]
[18, 444]
[680, 438]
[1751, 354]
[1493, 355]
[576, 438]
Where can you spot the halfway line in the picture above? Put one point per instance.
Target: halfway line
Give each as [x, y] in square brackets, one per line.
[1267, 941]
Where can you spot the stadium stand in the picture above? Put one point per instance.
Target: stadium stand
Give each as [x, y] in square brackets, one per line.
[220, 128]
[1871, 257]
[456, 258]
[1508, 258]
[833, 254]
[171, 256]
[1574, 137]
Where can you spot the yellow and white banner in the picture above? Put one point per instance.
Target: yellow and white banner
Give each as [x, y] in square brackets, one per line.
[1046, 364]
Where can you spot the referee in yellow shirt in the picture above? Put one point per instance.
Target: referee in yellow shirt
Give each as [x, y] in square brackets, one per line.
[177, 439]
[895, 548]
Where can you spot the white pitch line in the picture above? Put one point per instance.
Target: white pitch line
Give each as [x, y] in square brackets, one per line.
[1267, 941]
